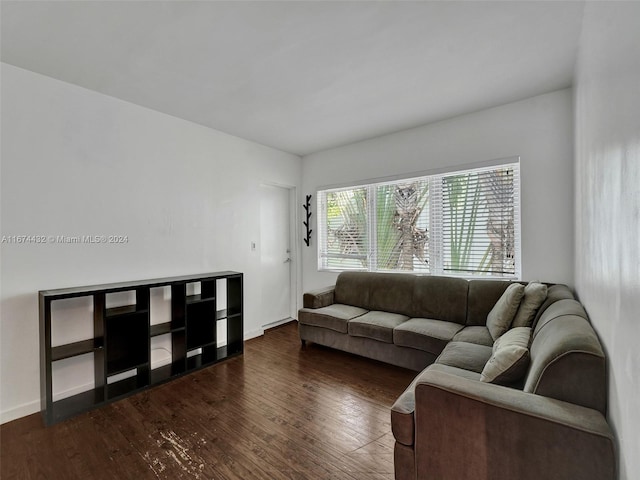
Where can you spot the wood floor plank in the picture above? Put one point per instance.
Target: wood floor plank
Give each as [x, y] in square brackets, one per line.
[278, 412]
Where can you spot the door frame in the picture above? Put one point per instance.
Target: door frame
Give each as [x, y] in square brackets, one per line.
[294, 242]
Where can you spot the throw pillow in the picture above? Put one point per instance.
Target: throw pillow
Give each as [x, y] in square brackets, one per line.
[510, 358]
[534, 295]
[501, 315]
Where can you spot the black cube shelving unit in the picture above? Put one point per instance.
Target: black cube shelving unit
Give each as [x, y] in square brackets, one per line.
[121, 341]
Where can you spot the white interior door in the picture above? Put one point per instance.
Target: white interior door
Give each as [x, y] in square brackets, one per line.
[275, 253]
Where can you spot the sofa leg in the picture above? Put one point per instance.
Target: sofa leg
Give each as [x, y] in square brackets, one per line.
[304, 343]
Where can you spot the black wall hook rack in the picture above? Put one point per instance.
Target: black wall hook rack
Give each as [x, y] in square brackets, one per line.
[307, 207]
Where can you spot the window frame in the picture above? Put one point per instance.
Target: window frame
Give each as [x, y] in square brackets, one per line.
[436, 254]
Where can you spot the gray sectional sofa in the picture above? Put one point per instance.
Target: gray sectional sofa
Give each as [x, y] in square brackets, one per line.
[449, 424]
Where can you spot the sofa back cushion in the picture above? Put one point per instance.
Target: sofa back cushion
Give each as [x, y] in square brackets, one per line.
[352, 288]
[392, 292]
[567, 360]
[440, 298]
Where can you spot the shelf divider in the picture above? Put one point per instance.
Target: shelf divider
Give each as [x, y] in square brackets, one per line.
[74, 349]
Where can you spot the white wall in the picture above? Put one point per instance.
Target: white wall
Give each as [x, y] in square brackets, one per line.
[607, 179]
[539, 130]
[75, 162]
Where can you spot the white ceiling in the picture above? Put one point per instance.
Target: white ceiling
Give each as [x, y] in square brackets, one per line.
[300, 76]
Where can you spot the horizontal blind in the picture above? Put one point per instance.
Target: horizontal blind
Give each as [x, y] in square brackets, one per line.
[463, 223]
[343, 229]
[479, 220]
[402, 225]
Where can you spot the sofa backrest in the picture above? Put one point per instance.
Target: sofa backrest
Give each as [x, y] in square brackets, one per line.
[392, 292]
[440, 298]
[483, 295]
[387, 292]
[567, 360]
[555, 293]
[433, 297]
[352, 288]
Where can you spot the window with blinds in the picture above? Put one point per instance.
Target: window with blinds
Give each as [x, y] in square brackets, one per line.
[463, 223]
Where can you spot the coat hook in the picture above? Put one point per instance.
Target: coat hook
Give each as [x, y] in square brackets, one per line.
[307, 207]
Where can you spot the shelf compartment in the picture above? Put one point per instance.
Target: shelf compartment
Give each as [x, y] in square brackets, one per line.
[208, 356]
[234, 348]
[235, 329]
[74, 349]
[194, 362]
[72, 320]
[126, 342]
[221, 332]
[160, 304]
[234, 295]
[70, 406]
[212, 354]
[161, 351]
[126, 302]
[129, 384]
[75, 375]
[178, 305]
[201, 326]
[166, 372]
[208, 288]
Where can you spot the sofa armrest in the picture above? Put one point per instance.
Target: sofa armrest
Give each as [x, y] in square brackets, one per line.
[319, 298]
[466, 429]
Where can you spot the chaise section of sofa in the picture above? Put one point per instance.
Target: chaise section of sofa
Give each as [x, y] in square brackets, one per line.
[466, 429]
[551, 425]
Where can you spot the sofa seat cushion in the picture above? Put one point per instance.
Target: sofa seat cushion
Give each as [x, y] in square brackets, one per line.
[376, 325]
[467, 356]
[474, 334]
[402, 420]
[334, 317]
[425, 334]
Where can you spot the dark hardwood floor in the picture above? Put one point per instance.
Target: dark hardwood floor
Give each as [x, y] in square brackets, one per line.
[277, 412]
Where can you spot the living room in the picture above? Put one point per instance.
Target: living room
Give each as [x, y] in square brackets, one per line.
[86, 151]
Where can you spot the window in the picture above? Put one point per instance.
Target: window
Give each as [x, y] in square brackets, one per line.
[463, 223]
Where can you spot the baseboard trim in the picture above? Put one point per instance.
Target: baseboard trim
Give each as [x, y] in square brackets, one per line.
[258, 332]
[278, 323]
[20, 411]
